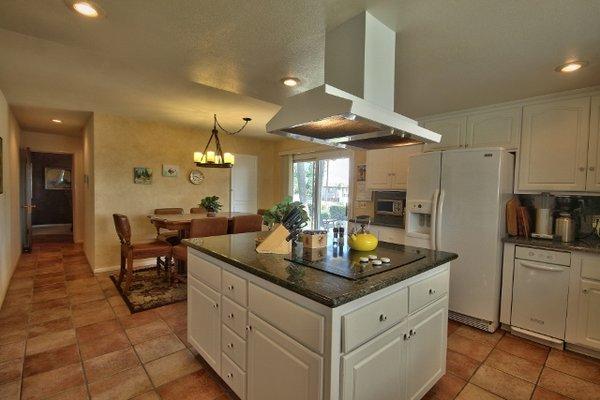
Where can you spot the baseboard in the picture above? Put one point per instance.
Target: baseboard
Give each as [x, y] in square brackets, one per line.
[4, 290]
[136, 263]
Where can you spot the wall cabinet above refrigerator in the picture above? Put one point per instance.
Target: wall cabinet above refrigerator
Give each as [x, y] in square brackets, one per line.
[387, 169]
[494, 128]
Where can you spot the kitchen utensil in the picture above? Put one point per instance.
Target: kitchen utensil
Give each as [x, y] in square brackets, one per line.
[362, 240]
[524, 221]
[512, 205]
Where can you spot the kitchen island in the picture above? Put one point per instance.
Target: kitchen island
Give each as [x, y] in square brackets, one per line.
[276, 329]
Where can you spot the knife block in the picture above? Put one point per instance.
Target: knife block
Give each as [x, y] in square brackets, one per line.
[275, 243]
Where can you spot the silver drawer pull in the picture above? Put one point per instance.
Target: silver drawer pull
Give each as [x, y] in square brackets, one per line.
[230, 287]
[383, 318]
[230, 345]
[248, 328]
[432, 291]
[230, 316]
[216, 305]
[229, 375]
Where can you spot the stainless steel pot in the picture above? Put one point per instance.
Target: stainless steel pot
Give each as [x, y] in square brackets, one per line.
[565, 228]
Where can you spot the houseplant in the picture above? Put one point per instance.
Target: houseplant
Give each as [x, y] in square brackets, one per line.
[211, 204]
[275, 214]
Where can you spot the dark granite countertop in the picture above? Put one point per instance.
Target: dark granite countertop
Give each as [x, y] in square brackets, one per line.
[322, 287]
[590, 244]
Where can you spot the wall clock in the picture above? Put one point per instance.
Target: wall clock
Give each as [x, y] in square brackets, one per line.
[196, 177]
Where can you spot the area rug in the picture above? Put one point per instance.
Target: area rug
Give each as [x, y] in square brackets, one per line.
[150, 290]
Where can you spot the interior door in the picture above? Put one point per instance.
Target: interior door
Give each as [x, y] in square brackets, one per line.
[27, 182]
[244, 184]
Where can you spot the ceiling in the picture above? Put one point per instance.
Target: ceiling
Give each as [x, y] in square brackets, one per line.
[181, 61]
[37, 119]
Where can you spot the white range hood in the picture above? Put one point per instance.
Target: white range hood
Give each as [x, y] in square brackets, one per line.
[355, 108]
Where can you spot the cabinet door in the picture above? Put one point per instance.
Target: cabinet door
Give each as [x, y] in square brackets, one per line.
[593, 176]
[374, 371]
[279, 367]
[553, 154]
[588, 317]
[426, 350]
[400, 157]
[495, 128]
[453, 131]
[204, 321]
[379, 169]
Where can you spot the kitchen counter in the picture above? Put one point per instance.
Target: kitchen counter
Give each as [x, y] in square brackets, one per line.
[590, 244]
[322, 287]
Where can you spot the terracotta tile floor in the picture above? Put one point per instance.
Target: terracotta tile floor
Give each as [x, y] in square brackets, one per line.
[66, 334]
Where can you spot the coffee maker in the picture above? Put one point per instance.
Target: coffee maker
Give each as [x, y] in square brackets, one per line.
[564, 224]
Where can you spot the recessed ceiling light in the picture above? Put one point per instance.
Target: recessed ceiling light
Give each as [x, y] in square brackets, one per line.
[290, 81]
[86, 8]
[57, 121]
[571, 66]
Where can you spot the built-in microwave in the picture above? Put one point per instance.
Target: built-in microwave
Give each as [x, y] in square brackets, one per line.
[389, 208]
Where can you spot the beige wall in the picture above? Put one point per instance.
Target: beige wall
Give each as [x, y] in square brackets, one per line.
[120, 144]
[10, 225]
[49, 143]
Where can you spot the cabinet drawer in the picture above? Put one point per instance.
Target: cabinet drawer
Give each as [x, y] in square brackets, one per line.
[367, 322]
[234, 377]
[426, 291]
[547, 256]
[235, 288]
[234, 346]
[234, 316]
[299, 323]
[590, 268]
[204, 271]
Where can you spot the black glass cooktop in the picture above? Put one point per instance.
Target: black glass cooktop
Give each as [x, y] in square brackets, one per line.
[345, 262]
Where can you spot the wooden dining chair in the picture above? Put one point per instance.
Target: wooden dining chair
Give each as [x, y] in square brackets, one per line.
[246, 223]
[201, 228]
[197, 210]
[131, 251]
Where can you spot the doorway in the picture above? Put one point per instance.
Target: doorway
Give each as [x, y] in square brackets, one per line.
[244, 184]
[323, 185]
[48, 197]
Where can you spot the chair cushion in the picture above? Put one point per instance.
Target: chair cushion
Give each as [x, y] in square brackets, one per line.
[180, 252]
[156, 248]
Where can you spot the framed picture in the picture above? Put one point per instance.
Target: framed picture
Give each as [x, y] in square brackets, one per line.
[361, 173]
[170, 170]
[1, 172]
[142, 175]
[57, 178]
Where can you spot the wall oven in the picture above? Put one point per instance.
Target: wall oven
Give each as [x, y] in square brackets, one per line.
[389, 208]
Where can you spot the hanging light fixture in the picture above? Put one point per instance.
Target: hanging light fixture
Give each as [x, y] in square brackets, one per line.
[216, 158]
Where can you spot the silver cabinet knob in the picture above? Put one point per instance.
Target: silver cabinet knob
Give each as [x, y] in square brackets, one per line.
[592, 168]
[382, 318]
[216, 305]
[249, 328]
[585, 291]
[406, 337]
[230, 345]
[431, 291]
[230, 287]
[229, 375]
[230, 315]
[582, 168]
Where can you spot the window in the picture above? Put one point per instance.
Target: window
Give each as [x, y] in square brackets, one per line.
[322, 185]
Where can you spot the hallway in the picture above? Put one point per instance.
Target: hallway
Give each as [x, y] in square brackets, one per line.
[66, 334]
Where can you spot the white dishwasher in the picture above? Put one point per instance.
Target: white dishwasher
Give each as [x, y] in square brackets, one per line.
[540, 290]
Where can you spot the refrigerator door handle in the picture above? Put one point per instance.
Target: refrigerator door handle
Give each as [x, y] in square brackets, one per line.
[433, 232]
[438, 220]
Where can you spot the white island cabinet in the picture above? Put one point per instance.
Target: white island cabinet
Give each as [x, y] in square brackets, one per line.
[270, 343]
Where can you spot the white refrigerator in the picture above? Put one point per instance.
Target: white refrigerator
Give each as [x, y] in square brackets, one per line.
[456, 202]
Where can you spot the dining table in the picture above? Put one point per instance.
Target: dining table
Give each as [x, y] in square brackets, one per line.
[181, 222]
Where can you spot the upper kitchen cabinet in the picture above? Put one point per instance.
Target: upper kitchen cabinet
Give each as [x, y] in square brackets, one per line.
[497, 128]
[593, 177]
[387, 169]
[452, 129]
[554, 144]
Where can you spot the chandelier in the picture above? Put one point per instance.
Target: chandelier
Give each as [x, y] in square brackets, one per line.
[216, 158]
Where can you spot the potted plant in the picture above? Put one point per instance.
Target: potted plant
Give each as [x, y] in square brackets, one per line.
[275, 214]
[211, 204]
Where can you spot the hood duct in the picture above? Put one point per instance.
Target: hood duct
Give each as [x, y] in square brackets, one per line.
[355, 107]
